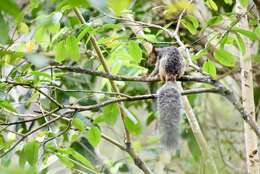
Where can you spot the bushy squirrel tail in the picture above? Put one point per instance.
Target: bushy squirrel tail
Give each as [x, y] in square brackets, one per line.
[169, 106]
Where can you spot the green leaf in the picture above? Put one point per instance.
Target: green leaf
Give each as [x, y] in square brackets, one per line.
[60, 51]
[78, 157]
[150, 37]
[209, 67]
[72, 48]
[23, 28]
[7, 105]
[78, 123]
[11, 8]
[86, 29]
[244, 3]
[4, 32]
[12, 54]
[134, 128]
[215, 20]
[118, 6]
[193, 20]
[229, 2]
[189, 26]
[41, 74]
[240, 44]
[94, 136]
[31, 150]
[225, 58]
[109, 115]
[200, 54]
[257, 32]
[67, 162]
[251, 35]
[212, 5]
[135, 51]
[78, 3]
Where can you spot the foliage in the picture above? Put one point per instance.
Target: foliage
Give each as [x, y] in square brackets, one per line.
[39, 38]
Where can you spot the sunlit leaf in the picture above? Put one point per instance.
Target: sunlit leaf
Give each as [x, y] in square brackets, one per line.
[134, 128]
[94, 136]
[60, 51]
[31, 150]
[77, 123]
[4, 32]
[215, 20]
[229, 2]
[11, 8]
[118, 6]
[7, 105]
[251, 35]
[72, 48]
[212, 5]
[189, 26]
[209, 67]
[225, 57]
[193, 20]
[244, 3]
[65, 160]
[257, 32]
[135, 51]
[23, 28]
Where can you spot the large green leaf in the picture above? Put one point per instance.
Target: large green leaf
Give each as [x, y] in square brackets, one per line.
[109, 115]
[117, 6]
[209, 67]
[135, 51]
[31, 151]
[77, 156]
[215, 20]
[225, 57]
[7, 105]
[251, 35]
[94, 136]
[133, 127]
[189, 26]
[4, 32]
[212, 5]
[72, 48]
[11, 8]
[78, 123]
[60, 51]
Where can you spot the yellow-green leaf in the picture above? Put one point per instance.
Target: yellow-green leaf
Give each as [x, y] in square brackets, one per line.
[135, 51]
[212, 5]
[225, 57]
[117, 6]
[209, 67]
[94, 136]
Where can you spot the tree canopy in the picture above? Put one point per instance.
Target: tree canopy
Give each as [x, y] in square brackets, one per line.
[76, 95]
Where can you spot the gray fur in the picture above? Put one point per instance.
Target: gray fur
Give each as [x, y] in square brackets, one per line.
[169, 106]
[172, 63]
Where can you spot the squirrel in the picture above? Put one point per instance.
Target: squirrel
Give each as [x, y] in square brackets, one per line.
[171, 66]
